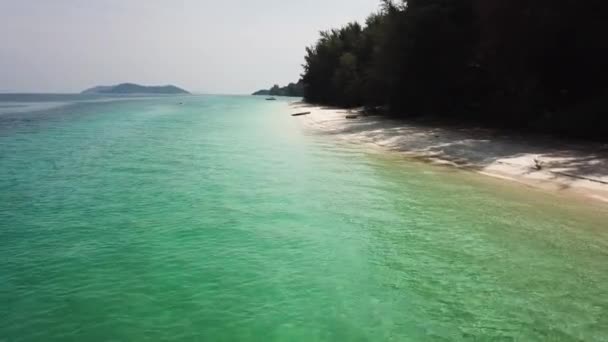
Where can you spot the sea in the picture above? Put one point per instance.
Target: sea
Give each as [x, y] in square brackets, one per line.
[223, 218]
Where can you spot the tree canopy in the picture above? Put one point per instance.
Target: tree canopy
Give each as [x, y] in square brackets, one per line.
[535, 64]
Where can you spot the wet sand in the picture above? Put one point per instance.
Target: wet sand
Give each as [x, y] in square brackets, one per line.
[577, 168]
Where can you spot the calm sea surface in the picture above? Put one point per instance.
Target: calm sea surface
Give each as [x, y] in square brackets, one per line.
[222, 219]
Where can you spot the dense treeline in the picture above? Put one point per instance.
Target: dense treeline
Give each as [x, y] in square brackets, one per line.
[538, 64]
[292, 89]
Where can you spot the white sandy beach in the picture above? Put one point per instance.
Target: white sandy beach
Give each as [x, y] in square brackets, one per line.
[575, 168]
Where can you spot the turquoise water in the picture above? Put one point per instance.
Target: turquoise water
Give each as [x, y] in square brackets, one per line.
[223, 219]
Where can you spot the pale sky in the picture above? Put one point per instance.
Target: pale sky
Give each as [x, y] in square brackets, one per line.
[220, 46]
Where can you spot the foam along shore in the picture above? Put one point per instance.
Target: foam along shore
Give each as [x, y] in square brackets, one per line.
[544, 162]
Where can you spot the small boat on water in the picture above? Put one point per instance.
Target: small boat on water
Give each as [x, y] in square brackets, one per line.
[300, 114]
[271, 99]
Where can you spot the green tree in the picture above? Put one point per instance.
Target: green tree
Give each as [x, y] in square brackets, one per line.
[537, 64]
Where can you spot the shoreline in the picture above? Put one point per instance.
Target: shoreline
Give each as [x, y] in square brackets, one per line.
[573, 168]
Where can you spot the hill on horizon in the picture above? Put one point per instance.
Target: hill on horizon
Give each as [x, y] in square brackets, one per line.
[292, 89]
[132, 88]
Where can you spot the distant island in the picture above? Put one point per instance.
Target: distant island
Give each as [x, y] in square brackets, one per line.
[292, 89]
[131, 88]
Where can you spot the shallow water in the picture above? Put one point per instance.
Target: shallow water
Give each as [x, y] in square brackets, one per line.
[222, 219]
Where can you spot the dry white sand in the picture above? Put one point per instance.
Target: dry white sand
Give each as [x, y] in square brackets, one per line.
[577, 168]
